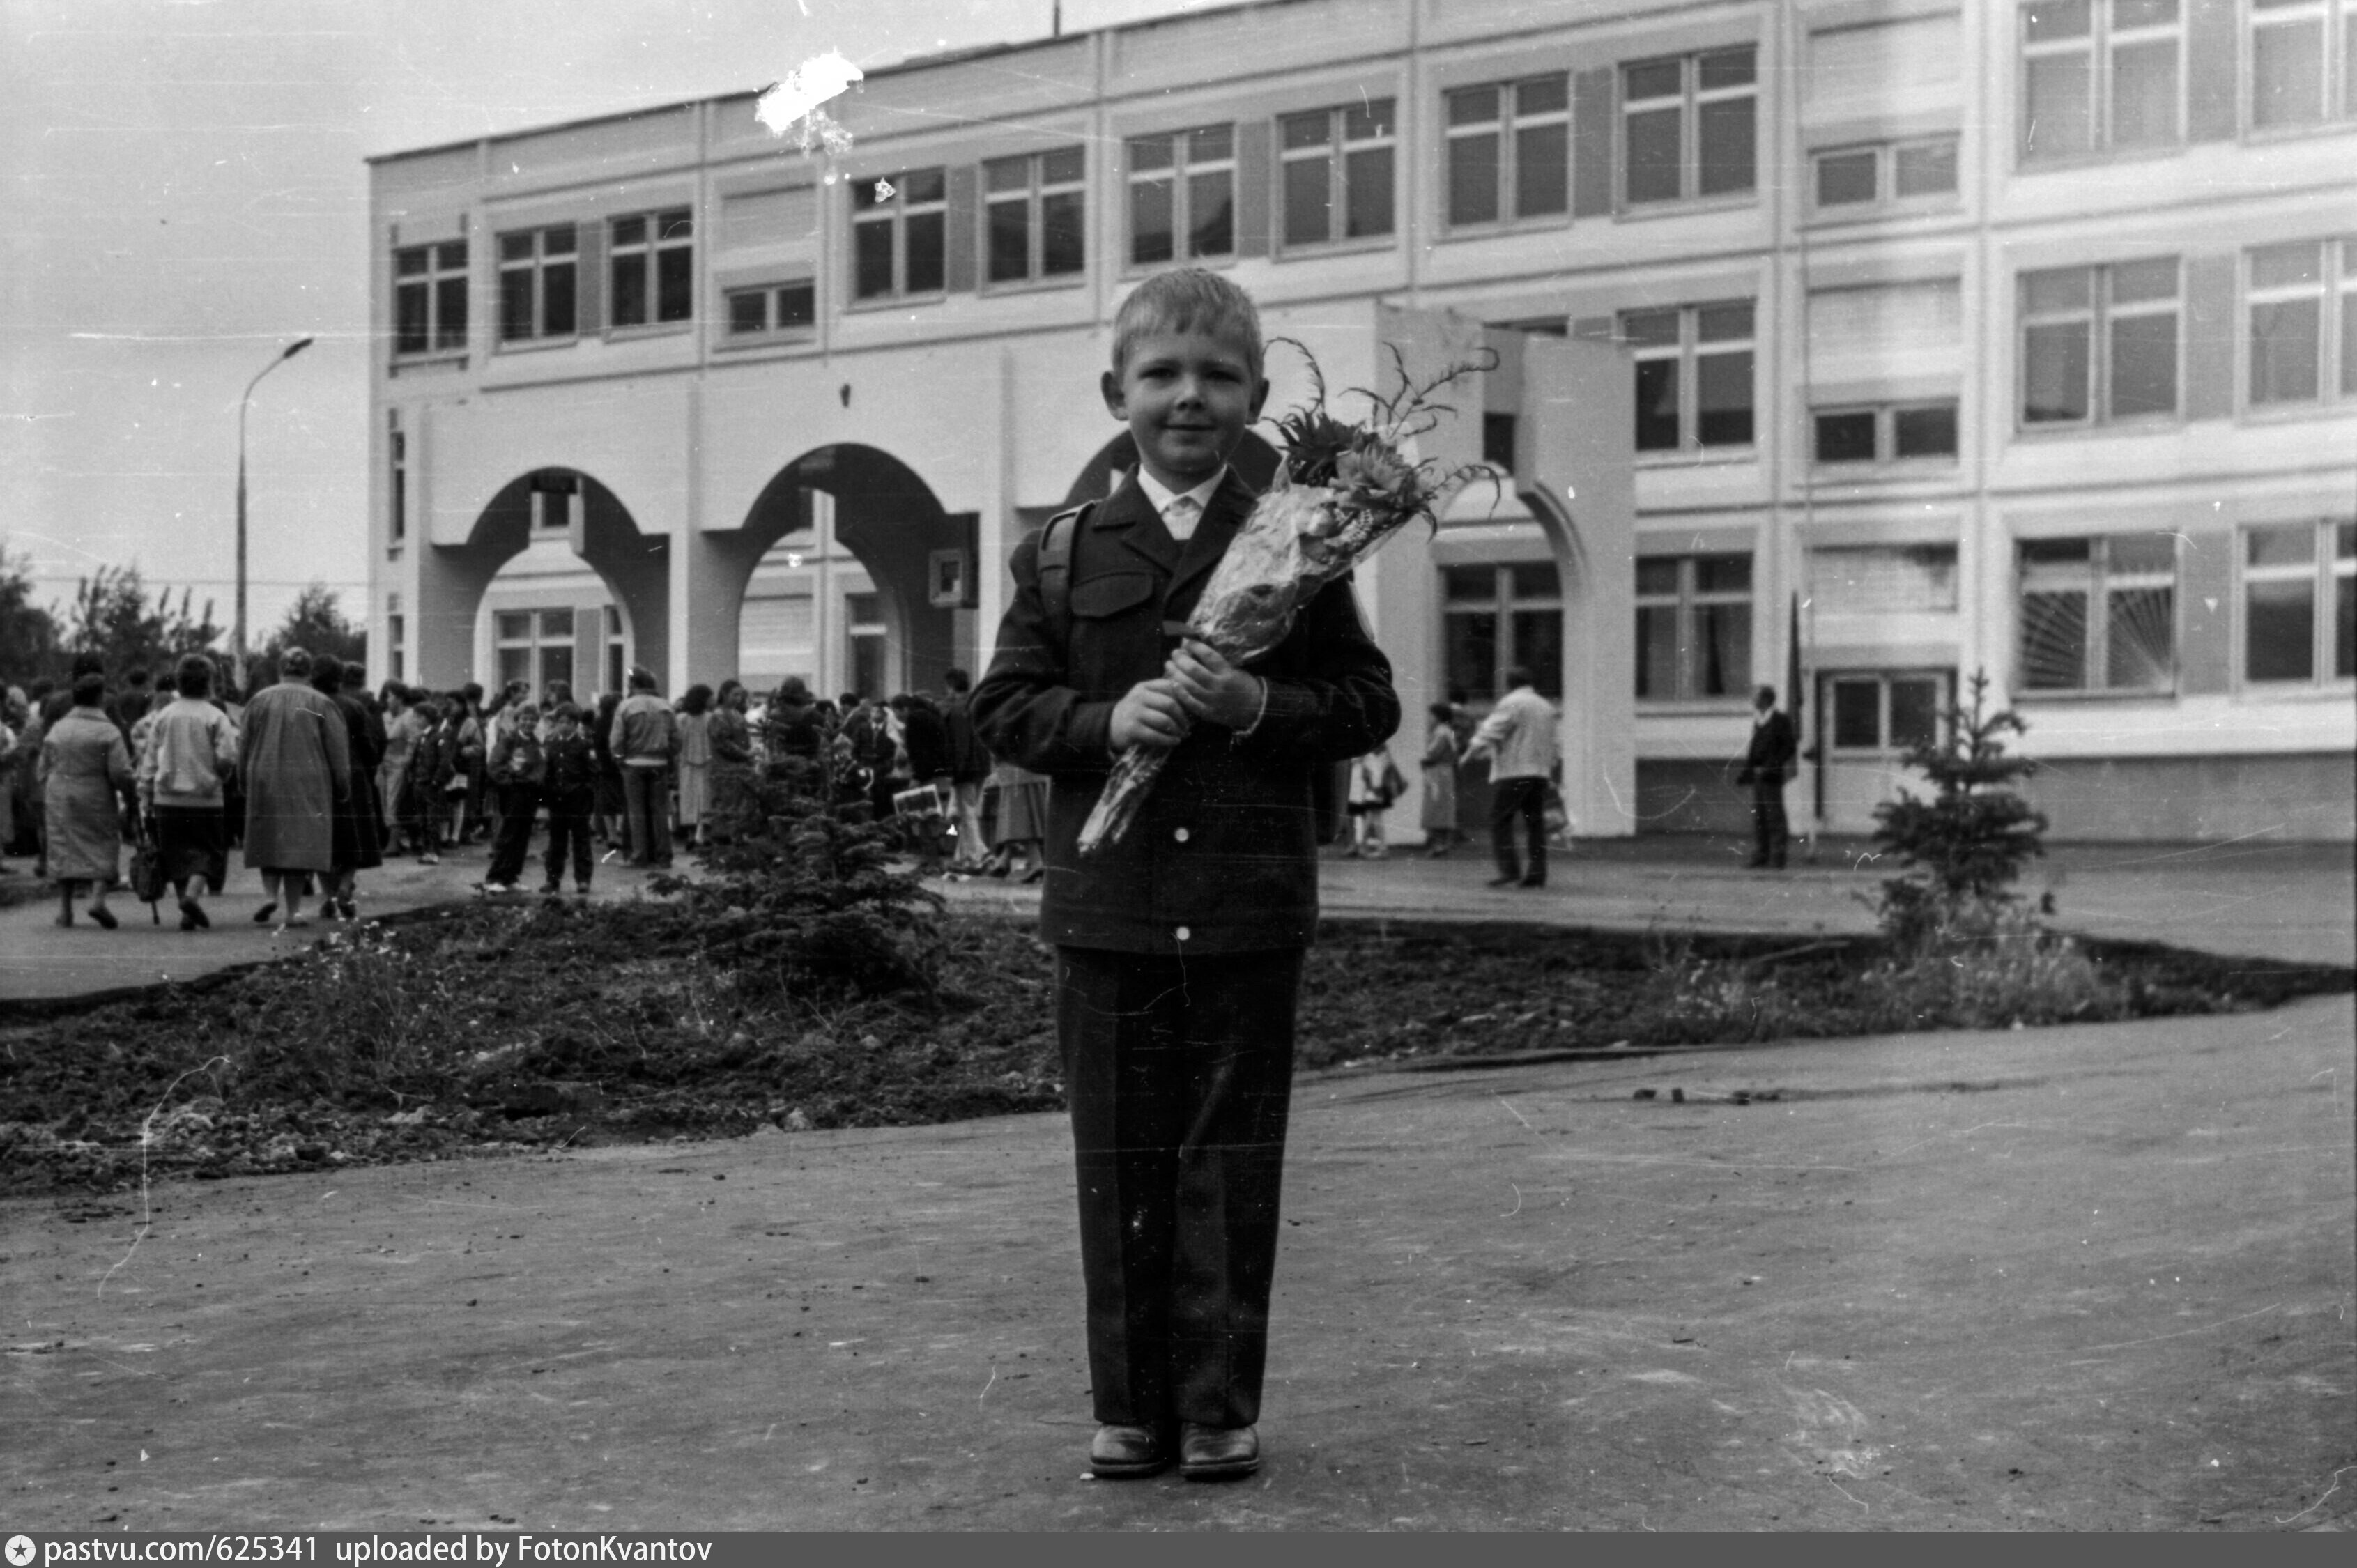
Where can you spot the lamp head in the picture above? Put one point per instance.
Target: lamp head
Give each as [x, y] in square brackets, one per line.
[295, 348]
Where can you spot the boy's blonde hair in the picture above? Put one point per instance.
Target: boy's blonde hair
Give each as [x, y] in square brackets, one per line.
[1188, 299]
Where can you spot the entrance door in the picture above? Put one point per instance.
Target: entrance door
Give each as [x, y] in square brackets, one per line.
[1866, 719]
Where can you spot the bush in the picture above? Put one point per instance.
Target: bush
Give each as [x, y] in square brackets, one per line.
[1963, 849]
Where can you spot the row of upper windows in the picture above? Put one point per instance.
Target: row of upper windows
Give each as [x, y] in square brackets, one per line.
[2098, 345]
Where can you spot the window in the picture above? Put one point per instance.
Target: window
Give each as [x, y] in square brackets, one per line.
[1494, 617]
[2098, 614]
[534, 646]
[552, 492]
[1901, 171]
[1687, 126]
[1337, 175]
[1879, 712]
[786, 308]
[2299, 602]
[537, 279]
[652, 268]
[2099, 74]
[863, 624]
[1182, 194]
[430, 298]
[1035, 210]
[396, 640]
[1510, 150]
[1886, 432]
[1694, 375]
[2295, 78]
[397, 523]
[2298, 352]
[1693, 628]
[2099, 343]
[900, 227]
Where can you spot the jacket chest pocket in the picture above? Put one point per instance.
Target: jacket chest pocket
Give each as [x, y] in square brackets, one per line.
[1116, 630]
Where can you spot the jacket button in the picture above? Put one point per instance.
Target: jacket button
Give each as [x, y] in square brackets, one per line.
[1184, 933]
[1180, 834]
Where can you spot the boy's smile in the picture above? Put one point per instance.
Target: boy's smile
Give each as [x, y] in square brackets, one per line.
[1188, 398]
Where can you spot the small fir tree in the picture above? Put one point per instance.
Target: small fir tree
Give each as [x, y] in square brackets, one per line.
[1964, 848]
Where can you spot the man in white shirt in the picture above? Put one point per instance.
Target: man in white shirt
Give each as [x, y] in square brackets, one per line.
[1519, 739]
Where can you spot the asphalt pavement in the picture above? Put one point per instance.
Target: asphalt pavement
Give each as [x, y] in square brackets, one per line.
[2092, 1277]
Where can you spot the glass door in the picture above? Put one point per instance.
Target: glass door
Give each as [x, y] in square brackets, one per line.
[1867, 721]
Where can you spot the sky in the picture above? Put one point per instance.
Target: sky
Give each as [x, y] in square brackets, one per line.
[182, 194]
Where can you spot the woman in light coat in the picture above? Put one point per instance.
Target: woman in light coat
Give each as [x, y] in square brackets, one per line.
[85, 766]
[296, 763]
[1439, 816]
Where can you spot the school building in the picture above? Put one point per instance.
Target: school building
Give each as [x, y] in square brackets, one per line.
[1855, 346]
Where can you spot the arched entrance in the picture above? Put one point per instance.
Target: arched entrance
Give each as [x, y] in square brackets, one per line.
[897, 622]
[547, 511]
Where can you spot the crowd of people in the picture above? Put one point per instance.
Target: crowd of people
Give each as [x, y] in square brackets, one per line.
[314, 779]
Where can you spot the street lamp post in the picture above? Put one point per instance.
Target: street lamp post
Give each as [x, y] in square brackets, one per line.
[237, 633]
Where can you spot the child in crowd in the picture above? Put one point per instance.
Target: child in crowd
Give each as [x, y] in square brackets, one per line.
[517, 767]
[568, 787]
[1178, 949]
[426, 800]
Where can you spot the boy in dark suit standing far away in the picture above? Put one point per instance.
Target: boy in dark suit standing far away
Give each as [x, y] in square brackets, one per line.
[1178, 949]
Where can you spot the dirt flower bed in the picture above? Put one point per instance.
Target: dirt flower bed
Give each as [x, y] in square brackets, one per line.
[481, 1028]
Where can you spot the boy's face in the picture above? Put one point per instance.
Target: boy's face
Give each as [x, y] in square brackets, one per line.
[568, 727]
[1188, 398]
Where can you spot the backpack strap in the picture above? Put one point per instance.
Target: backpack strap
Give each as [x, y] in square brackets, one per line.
[1056, 540]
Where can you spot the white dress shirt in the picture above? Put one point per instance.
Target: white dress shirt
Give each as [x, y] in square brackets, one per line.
[1182, 525]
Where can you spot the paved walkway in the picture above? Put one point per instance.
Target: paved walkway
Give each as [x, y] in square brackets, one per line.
[2295, 901]
[2094, 1277]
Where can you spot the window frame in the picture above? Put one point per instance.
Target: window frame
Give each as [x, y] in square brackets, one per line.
[1689, 353]
[442, 277]
[1504, 606]
[1692, 100]
[665, 231]
[899, 212]
[1886, 434]
[1687, 602]
[2336, 68]
[534, 642]
[1184, 169]
[2333, 291]
[2097, 580]
[1507, 127]
[534, 270]
[2101, 312]
[2333, 561]
[2102, 44]
[773, 329]
[1337, 153]
[1885, 197]
[1033, 197]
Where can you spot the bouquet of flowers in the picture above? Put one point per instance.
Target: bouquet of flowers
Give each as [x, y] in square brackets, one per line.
[1340, 491]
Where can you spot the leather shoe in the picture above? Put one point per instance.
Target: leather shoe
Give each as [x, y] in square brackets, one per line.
[1503, 881]
[1218, 1452]
[1127, 1453]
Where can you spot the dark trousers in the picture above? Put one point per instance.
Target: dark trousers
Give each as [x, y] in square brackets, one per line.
[518, 802]
[646, 814]
[1179, 1074]
[568, 825]
[1770, 831]
[1525, 798]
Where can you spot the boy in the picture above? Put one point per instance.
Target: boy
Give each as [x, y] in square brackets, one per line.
[516, 769]
[569, 786]
[1179, 950]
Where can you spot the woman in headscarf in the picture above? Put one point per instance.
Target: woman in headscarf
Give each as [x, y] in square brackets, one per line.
[85, 767]
[732, 763]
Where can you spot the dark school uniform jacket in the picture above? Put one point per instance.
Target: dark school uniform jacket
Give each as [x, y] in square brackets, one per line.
[1223, 856]
[1772, 752]
[569, 775]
